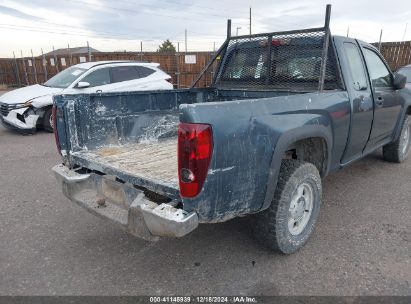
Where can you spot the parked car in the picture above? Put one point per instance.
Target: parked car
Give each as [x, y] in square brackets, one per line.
[280, 116]
[29, 108]
[406, 71]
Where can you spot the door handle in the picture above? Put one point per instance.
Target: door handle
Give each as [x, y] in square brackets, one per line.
[380, 101]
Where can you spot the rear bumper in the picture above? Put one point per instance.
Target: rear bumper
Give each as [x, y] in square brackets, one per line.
[124, 205]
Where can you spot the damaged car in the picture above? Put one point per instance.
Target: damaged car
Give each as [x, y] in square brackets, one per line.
[30, 108]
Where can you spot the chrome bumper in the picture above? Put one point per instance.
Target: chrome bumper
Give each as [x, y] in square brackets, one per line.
[124, 205]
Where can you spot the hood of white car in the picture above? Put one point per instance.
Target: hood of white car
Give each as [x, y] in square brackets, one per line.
[28, 93]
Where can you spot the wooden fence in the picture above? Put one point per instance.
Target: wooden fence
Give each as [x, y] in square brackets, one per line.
[29, 70]
[397, 54]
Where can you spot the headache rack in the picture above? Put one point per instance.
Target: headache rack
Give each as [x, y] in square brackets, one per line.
[298, 60]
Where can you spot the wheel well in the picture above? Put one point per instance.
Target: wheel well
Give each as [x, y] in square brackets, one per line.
[408, 110]
[41, 112]
[45, 109]
[312, 150]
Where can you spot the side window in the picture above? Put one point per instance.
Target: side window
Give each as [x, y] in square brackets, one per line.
[379, 74]
[98, 77]
[124, 73]
[143, 71]
[356, 66]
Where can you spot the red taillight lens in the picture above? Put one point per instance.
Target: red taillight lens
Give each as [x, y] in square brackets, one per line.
[195, 146]
[56, 137]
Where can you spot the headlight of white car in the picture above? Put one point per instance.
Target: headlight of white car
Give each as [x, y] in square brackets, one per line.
[27, 104]
[41, 101]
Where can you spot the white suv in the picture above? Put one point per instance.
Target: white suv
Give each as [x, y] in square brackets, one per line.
[29, 108]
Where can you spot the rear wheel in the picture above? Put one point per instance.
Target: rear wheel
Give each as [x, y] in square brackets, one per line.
[398, 151]
[288, 223]
[48, 120]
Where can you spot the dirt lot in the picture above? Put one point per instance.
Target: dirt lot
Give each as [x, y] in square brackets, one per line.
[361, 246]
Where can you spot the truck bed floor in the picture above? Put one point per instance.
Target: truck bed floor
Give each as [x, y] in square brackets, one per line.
[154, 162]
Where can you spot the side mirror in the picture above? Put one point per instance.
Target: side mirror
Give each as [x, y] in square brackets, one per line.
[82, 85]
[399, 81]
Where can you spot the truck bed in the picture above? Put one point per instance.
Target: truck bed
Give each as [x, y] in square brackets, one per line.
[151, 163]
[133, 135]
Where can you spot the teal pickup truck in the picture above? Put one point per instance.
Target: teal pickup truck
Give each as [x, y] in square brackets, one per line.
[284, 110]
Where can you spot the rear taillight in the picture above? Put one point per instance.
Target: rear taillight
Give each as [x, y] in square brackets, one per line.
[56, 137]
[195, 147]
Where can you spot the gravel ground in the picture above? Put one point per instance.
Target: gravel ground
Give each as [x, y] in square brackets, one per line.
[49, 246]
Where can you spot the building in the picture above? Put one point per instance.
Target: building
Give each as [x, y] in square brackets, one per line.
[72, 51]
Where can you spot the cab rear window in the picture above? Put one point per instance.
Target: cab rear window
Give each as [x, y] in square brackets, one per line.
[291, 64]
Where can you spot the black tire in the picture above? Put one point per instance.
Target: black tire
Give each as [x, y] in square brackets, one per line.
[271, 226]
[398, 151]
[47, 124]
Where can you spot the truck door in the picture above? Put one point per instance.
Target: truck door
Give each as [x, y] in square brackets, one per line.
[359, 90]
[387, 103]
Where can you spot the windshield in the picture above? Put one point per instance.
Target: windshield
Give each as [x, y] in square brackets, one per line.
[65, 78]
[407, 73]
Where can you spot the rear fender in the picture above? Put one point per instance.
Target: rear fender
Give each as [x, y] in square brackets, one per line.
[284, 143]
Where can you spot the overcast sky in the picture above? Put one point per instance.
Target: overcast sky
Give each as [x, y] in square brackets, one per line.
[123, 24]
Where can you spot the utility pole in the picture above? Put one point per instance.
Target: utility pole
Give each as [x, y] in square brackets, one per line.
[348, 31]
[213, 66]
[141, 50]
[55, 60]
[178, 65]
[250, 20]
[69, 54]
[185, 38]
[89, 52]
[34, 66]
[24, 67]
[17, 69]
[405, 31]
[44, 64]
[237, 28]
[379, 43]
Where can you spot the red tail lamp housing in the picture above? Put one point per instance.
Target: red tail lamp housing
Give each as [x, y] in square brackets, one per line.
[195, 147]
